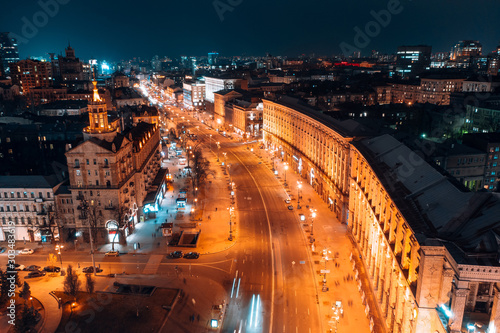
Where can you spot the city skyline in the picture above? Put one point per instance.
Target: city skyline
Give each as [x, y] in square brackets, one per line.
[48, 26]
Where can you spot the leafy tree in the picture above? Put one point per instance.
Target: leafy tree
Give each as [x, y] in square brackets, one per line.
[89, 283]
[199, 169]
[71, 282]
[25, 292]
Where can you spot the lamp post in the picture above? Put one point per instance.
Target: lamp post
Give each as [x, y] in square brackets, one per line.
[286, 168]
[299, 185]
[225, 162]
[58, 249]
[313, 215]
[230, 208]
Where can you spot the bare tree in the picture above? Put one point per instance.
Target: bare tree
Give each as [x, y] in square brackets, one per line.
[90, 283]
[71, 282]
[121, 216]
[53, 223]
[93, 213]
[199, 170]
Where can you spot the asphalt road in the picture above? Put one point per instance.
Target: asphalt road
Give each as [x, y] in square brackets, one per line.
[268, 273]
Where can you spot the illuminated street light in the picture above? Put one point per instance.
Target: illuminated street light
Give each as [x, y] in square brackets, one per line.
[286, 168]
[299, 186]
[313, 215]
[58, 249]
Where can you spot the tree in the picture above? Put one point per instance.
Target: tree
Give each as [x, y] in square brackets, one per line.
[199, 170]
[25, 292]
[93, 213]
[27, 320]
[52, 260]
[121, 216]
[71, 282]
[89, 283]
[53, 223]
[4, 288]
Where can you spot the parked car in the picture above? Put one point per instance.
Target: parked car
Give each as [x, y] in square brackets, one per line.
[36, 274]
[112, 254]
[90, 269]
[32, 268]
[290, 207]
[52, 269]
[192, 255]
[287, 201]
[26, 251]
[175, 254]
[3, 249]
[15, 267]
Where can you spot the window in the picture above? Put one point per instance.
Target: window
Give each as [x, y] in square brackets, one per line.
[5, 195]
[77, 163]
[12, 194]
[18, 194]
[48, 195]
[27, 208]
[88, 172]
[32, 194]
[97, 183]
[25, 194]
[16, 220]
[1, 208]
[78, 173]
[493, 173]
[497, 148]
[96, 173]
[4, 221]
[95, 161]
[87, 161]
[40, 195]
[495, 157]
[106, 162]
[29, 220]
[494, 164]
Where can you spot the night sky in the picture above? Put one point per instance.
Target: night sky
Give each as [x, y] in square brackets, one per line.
[124, 29]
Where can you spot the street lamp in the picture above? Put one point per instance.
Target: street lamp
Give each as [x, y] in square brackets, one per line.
[299, 185]
[313, 215]
[286, 168]
[58, 249]
[230, 208]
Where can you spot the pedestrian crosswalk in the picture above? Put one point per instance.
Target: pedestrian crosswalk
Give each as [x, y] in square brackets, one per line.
[153, 263]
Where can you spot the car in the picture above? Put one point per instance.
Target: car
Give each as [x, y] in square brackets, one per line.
[192, 255]
[175, 254]
[15, 267]
[290, 207]
[287, 201]
[52, 269]
[32, 268]
[36, 274]
[26, 251]
[3, 249]
[112, 254]
[90, 269]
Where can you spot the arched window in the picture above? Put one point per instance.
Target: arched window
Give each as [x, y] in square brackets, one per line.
[22, 219]
[105, 162]
[4, 221]
[29, 220]
[16, 220]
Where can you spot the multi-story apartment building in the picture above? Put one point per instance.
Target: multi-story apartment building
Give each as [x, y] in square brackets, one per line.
[437, 90]
[466, 49]
[29, 202]
[115, 172]
[429, 248]
[194, 95]
[488, 143]
[29, 74]
[247, 118]
[221, 117]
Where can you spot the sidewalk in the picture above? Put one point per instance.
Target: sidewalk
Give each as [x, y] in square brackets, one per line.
[329, 234]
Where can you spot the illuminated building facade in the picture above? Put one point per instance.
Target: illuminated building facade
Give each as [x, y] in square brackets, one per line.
[115, 172]
[29, 74]
[26, 201]
[412, 60]
[430, 250]
[438, 90]
[8, 52]
[194, 95]
[466, 49]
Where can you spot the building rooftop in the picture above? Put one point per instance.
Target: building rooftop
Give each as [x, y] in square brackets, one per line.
[28, 181]
[433, 206]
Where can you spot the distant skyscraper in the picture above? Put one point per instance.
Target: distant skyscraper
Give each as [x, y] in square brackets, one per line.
[412, 60]
[212, 58]
[465, 49]
[8, 51]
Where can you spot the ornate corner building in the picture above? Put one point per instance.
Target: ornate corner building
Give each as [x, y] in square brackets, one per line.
[114, 173]
[430, 249]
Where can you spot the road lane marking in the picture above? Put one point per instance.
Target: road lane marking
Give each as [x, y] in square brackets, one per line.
[238, 289]
[270, 242]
